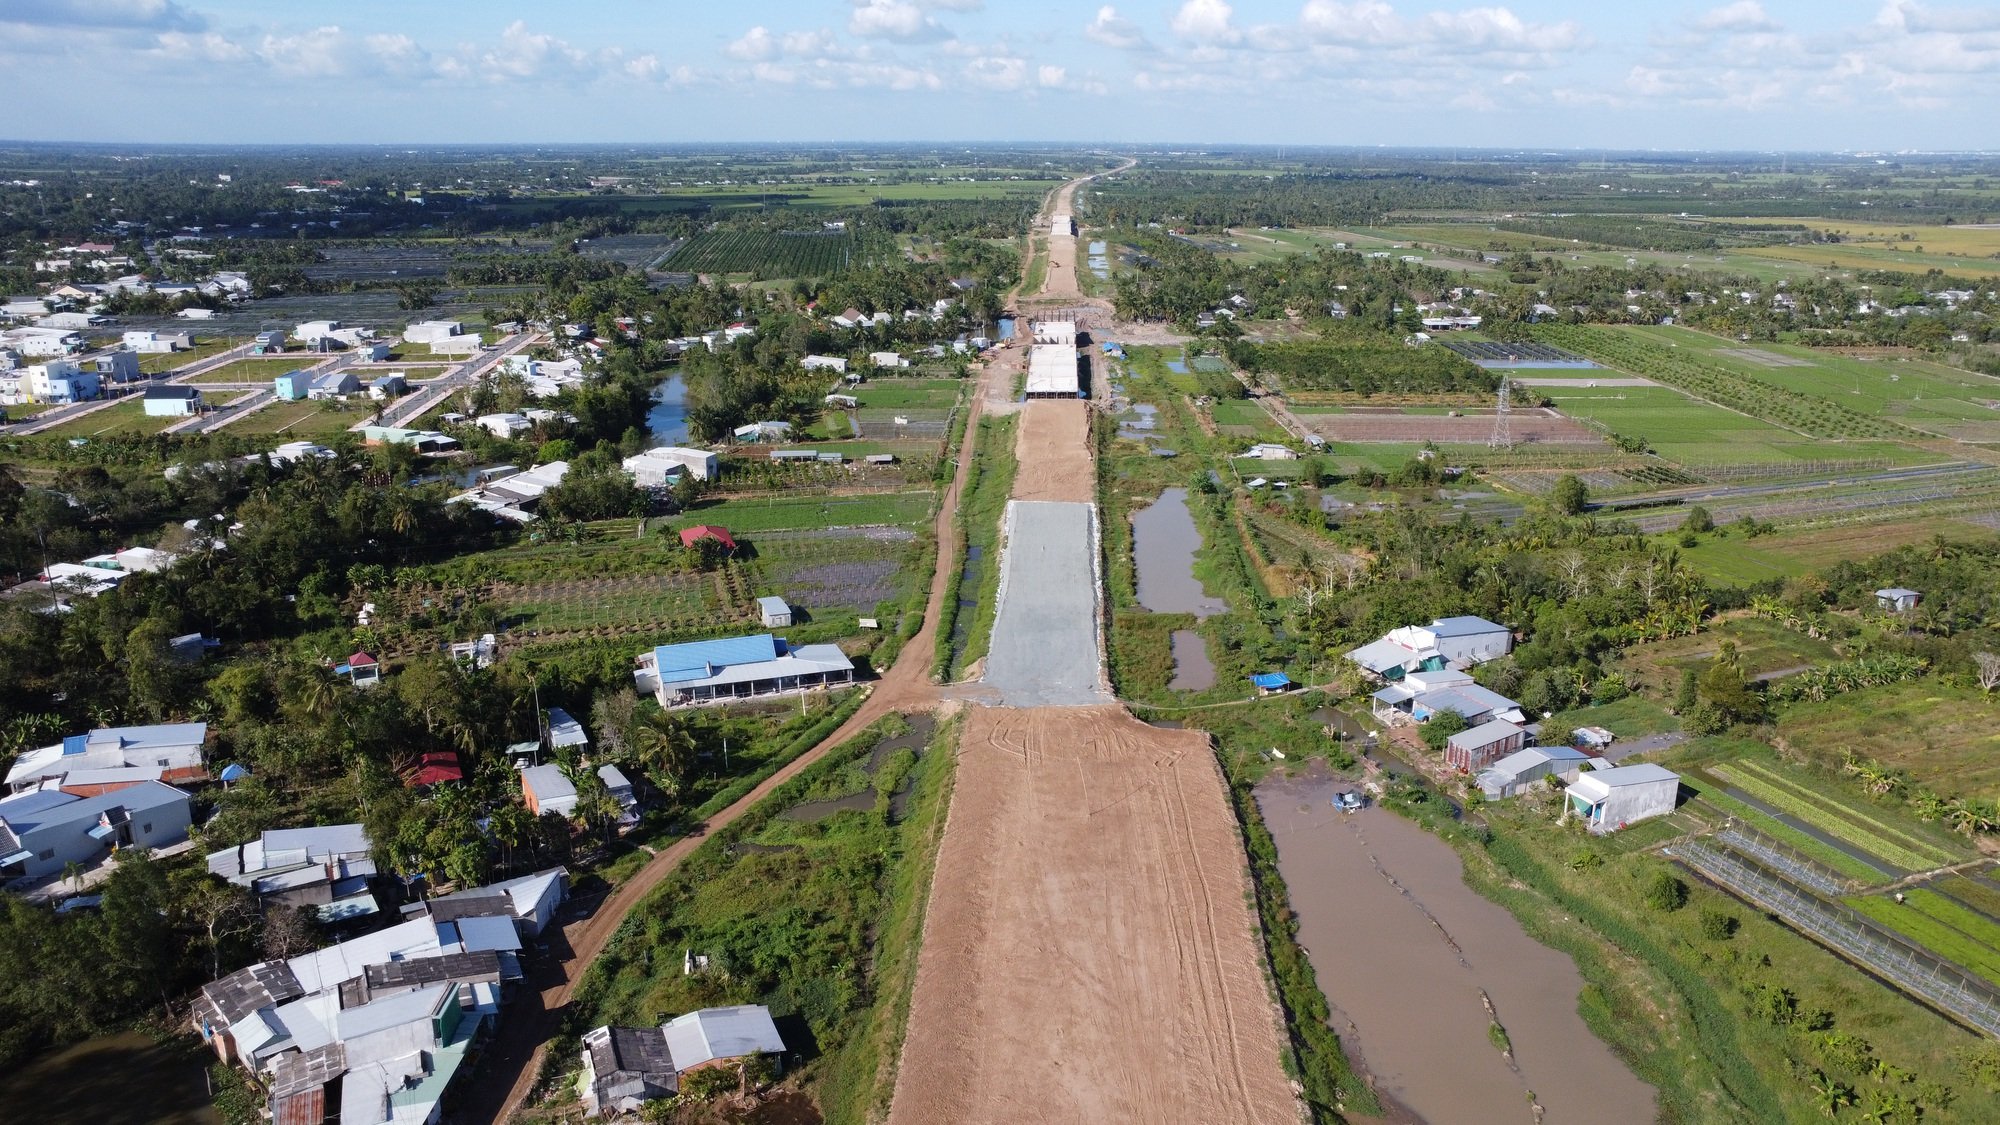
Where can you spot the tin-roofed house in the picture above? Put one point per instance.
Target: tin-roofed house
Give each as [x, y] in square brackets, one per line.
[624, 1067]
[1608, 800]
[738, 668]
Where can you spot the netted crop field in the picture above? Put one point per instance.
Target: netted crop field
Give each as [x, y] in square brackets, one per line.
[771, 253]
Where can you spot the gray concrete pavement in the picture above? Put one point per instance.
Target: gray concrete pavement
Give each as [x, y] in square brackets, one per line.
[1045, 647]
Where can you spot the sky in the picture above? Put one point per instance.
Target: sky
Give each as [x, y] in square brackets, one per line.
[1744, 74]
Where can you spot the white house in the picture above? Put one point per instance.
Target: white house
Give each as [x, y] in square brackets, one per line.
[1270, 451]
[312, 331]
[172, 401]
[1896, 599]
[466, 345]
[887, 359]
[165, 752]
[774, 611]
[1456, 642]
[37, 341]
[823, 363]
[504, 425]
[625, 1067]
[323, 866]
[431, 331]
[1608, 800]
[60, 381]
[654, 467]
[157, 342]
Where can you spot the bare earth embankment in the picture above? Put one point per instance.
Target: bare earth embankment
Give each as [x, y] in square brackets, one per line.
[1052, 447]
[1089, 954]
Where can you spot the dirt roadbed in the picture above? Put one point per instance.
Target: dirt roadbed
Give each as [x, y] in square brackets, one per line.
[1090, 954]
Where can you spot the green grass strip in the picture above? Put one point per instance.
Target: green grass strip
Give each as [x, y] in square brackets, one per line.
[1826, 820]
[1936, 936]
[1971, 923]
[1896, 835]
[1778, 830]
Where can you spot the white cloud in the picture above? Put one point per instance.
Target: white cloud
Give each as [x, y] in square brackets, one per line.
[1471, 31]
[1051, 77]
[1110, 29]
[1205, 21]
[1743, 15]
[756, 43]
[998, 73]
[894, 19]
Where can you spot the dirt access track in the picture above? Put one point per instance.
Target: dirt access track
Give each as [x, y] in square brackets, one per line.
[1052, 452]
[1090, 955]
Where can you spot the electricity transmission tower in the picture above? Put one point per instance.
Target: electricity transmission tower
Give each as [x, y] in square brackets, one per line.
[1503, 436]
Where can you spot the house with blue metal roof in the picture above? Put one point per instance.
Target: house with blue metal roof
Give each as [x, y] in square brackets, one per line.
[1448, 642]
[738, 668]
[158, 752]
[43, 831]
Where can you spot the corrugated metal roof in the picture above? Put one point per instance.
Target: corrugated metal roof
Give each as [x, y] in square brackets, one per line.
[1465, 626]
[721, 1033]
[695, 660]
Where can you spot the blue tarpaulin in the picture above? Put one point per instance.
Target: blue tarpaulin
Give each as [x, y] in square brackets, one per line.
[1271, 681]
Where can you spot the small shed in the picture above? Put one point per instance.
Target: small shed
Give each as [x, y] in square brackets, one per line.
[774, 611]
[1521, 769]
[545, 789]
[1608, 800]
[1481, 746]
[1271, 683]
[361, 669]
[1895, 599]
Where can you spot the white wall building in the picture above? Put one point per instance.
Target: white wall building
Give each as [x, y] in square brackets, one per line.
[652, 468]
[1608, 800]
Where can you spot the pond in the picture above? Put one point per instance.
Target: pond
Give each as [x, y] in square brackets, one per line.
[122, 1079]
[668, 418]
[916, 739]
[1193, 671]
[1412, 961]
[1164, 542]
[1006, 329]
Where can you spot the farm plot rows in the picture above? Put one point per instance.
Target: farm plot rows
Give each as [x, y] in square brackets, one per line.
[770, 253]
[1807, 845]
[1866, 829]
[855, 569]
[1965, 937]
[653, 604]
[1708, 378]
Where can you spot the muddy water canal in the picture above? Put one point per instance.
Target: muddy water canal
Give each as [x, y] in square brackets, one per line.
[1411, 958]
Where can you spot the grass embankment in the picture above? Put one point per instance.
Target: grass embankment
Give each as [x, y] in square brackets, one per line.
[981, 507]
[818, 919]
[1315, 1058]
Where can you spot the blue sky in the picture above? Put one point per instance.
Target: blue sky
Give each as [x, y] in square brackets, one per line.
[1756, 74]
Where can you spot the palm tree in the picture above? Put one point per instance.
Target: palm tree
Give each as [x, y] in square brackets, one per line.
[666, 749]
[73, 875]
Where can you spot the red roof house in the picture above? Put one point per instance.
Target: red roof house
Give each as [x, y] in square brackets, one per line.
[692, 535]
[435, 767]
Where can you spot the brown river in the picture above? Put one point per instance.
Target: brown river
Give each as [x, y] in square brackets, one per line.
[1410, 958]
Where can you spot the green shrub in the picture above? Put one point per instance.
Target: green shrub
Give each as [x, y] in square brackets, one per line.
[1665, 892]
[1717, 925]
